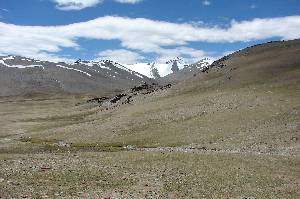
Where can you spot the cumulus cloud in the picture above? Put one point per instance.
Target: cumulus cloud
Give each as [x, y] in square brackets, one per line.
[76, 4]
[129, 1]
[139, 34]
[121, 56]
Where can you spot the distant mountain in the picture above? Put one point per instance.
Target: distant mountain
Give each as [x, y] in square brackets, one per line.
[156, 70]
[23, 76]
[201, 65]
[188, 71]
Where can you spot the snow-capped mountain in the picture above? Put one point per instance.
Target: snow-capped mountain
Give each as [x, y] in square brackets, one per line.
[176, 64]
[157, 70]
[20, 75]
[202, 65]
[188, 71]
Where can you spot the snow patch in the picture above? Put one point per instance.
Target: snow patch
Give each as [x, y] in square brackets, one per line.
[141, 68]
[123, 67]
[140, 76]
[77, 70]
[25, 59]
[20, 66]
[89, 64]
[102, 65]
[8, 58]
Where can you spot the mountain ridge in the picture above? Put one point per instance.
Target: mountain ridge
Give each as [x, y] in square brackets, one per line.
[164, 69]
[20, 75]
[23, 76]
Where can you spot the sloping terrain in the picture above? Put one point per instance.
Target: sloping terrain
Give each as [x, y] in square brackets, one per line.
[230, 132]
[23, 76]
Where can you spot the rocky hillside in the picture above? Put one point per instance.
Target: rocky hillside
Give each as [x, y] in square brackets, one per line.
[129, 96]
[271, 64]
[23, 76]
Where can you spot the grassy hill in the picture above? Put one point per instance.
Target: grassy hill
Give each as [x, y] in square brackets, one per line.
[231, 132]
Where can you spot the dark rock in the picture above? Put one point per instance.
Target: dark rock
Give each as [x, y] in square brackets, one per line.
[98, 100]
[117, 98]
[140, 87]
[78, 61]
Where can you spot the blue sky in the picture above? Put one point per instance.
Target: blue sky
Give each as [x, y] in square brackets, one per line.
[142, 30]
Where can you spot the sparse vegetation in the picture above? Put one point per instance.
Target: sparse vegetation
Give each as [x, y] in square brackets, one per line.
[209, 137]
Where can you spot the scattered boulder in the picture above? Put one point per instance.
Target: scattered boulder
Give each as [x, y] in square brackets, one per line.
[98, 100]
[127, 96]
[130, 147]
[63, 144]
[140, 87]
[167, 86]
[117, 98]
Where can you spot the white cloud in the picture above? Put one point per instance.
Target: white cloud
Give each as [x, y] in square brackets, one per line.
[189, 54]
[4, 10]
[129, 1]
[253, 6]
[81, 4]
[121, 56]
[206, 2]
[139, 34]
[75, 4]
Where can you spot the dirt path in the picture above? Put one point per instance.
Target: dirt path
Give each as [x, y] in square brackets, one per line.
[286, 152]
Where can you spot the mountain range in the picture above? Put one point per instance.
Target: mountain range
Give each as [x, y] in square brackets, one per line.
[161, 69]
[26, 76]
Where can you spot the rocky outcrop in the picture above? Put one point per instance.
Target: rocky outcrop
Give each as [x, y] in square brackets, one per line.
[128, 96]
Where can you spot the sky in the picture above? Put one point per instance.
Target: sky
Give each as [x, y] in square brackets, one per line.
[131, 31]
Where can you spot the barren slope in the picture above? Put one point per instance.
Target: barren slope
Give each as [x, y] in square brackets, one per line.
[231, 132]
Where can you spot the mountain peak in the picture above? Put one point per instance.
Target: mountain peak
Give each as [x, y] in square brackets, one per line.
[177, 59]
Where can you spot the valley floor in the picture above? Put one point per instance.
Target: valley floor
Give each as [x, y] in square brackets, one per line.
[148, 175]
[222, 144]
